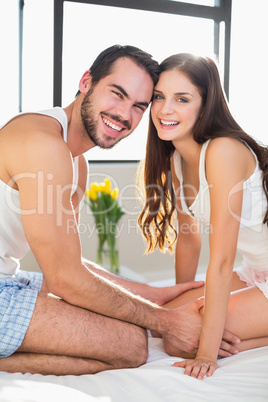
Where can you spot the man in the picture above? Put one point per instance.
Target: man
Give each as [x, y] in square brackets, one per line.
[74, 319]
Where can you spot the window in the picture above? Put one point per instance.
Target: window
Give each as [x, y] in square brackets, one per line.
[89, 28]
[168, 34]
[9, 50]
[210, 3]
[248, 67]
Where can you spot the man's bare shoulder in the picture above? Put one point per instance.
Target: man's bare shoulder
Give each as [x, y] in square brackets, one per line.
[30, 124]
[32, 142]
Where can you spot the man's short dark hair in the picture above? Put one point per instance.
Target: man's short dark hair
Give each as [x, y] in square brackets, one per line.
[103, 64]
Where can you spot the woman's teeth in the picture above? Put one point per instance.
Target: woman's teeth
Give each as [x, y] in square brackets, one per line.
[168, 123]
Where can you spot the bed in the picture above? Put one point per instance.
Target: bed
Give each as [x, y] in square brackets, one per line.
[243, 377]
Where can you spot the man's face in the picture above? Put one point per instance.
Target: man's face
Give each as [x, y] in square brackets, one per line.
[113, 108]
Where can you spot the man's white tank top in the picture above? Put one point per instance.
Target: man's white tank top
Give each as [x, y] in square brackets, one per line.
[253, 234]
[13, 242]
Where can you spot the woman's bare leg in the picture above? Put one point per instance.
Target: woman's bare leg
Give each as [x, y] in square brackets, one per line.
[191, 295]
[194, 294]
[247, 317]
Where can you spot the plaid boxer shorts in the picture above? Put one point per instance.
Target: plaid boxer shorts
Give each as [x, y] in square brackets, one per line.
[17, 302]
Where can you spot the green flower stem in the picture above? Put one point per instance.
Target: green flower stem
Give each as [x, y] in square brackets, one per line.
[107, 214]
[99, 256]
[114, 261]
[108, 259]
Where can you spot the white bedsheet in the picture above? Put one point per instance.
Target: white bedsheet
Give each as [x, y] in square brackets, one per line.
[243, 377]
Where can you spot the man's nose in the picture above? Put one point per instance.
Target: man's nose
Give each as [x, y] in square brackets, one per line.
[124, 112]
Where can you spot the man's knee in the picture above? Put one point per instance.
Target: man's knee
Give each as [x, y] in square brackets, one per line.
[141, 347]
[137, 349]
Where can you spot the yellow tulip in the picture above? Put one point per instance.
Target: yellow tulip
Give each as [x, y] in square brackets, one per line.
[101, 187]
[93, 195]
[114, 193]
[94, 186]
[87, 193]
[108, 185]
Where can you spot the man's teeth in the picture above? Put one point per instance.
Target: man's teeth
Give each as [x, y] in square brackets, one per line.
[169, 123]
[111, 125]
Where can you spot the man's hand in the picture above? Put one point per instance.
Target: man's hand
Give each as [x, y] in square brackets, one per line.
[163, 295]
[181, 327]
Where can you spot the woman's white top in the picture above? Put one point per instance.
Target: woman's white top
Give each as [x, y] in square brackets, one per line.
[253, 234]
[13, 243]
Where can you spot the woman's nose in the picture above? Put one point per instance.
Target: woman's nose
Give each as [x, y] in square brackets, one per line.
[167, 107]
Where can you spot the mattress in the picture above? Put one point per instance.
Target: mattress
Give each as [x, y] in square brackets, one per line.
[243, 377]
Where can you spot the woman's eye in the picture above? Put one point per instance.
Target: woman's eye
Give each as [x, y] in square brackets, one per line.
[182, 100]
[157, 97]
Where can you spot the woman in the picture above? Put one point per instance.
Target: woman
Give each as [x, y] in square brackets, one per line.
[220, 180]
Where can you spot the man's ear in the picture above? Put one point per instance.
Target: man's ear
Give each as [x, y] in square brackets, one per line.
[85, 82]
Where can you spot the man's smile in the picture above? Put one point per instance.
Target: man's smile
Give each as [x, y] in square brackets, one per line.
[112, 125]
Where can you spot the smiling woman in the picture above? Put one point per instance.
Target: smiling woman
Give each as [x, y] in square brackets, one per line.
[177, 104]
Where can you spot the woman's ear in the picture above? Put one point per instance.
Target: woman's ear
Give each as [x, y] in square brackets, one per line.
[85, 82]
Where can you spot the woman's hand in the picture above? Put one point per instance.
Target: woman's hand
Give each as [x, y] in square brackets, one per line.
[198, 367]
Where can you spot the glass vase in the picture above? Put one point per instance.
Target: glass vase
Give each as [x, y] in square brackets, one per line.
[108, 259]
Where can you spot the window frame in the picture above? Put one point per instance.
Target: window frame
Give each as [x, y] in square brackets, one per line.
[221, 12]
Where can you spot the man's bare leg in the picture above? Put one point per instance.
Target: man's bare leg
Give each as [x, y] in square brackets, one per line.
[65, 339]
[51, 364]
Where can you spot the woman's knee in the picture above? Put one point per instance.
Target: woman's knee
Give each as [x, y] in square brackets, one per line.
[172, 351]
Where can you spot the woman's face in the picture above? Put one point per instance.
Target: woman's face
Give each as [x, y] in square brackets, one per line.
[176, 106]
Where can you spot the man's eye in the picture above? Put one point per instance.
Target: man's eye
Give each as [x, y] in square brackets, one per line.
[118, 94]
[140, 108]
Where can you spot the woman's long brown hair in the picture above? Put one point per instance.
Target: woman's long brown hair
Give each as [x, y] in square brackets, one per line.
[156, 218]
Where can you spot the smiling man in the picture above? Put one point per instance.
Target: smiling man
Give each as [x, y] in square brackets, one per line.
[74, 317]
[102, 100]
